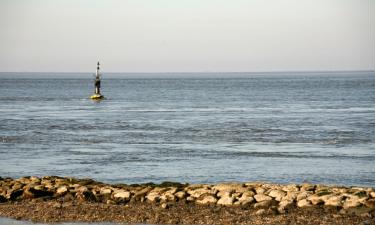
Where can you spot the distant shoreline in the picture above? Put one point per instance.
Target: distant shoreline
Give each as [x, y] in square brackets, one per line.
[58, 199]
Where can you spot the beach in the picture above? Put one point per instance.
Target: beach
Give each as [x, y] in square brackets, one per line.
[59, 199]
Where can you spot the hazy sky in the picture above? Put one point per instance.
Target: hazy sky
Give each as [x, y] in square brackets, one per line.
[187, 35]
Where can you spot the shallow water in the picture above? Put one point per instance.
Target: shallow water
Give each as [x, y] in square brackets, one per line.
[280, 128]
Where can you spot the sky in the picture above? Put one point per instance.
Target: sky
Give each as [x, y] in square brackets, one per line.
[186, 35]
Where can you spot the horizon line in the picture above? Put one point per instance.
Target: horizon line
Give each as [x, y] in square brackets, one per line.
[202, 72]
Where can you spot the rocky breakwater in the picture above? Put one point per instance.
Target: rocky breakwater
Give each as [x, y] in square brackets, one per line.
[262, 198]
[279, 198]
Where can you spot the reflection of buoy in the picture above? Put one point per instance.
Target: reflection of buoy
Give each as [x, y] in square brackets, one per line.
[97, 95]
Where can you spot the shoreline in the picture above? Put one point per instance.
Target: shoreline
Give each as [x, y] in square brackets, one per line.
[58, 199]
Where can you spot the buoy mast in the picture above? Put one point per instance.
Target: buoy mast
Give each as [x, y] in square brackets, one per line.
[97, 95]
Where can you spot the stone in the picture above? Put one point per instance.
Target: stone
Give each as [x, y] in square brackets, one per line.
[86, 196]
[31, 192]
[303, 195]
[105, 190]
[171, 191]
[263, 204]
[62, 190]
[290, 196]
[201, 191]
[335, 201]
[230, 187]
[303, 203]
[370, 203]
[14, 194]
[224, 193]
[286, 204]
[262, 197]
[225, 200]
[283, 205]
[277, 194]
[180, 194]
[307, 187]
[351, 202]
[315, 199]
[248, 194]
[153, 196]
[142, 193]
[245, 202]
[122, 194]
[81, 189]
[291, 187]
[208, 199]
[246, 198]
[110, 202]
[167, 197]
[190, 199]
[260, 190]
[260, 212]
[164, 206]
[323, 191]
[372, 194]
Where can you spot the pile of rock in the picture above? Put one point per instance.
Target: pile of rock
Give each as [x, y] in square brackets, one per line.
[260, 196]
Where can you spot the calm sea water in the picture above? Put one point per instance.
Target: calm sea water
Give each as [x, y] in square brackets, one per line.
[300, 127]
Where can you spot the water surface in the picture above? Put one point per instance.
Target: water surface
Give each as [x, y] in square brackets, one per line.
[299, 127]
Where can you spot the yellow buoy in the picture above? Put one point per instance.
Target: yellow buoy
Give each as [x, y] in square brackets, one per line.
[96, 97]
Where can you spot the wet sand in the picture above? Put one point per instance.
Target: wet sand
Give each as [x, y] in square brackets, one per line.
[177, 213]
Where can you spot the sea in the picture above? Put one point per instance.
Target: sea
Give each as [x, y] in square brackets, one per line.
[289, 127]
